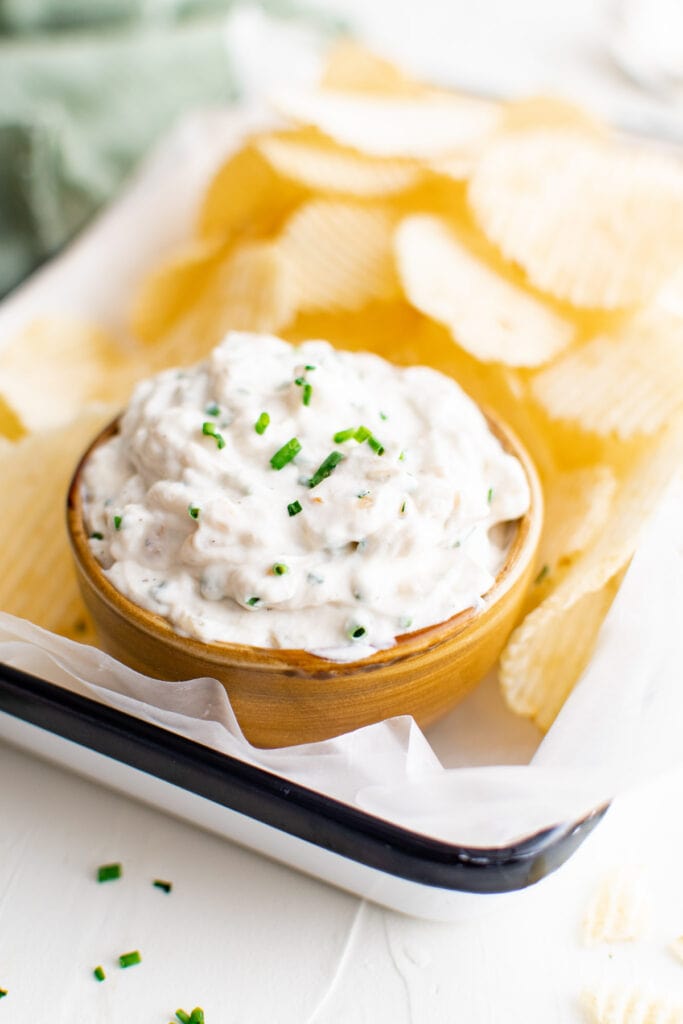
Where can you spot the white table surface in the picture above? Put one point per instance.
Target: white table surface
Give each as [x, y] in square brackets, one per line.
[255, 942]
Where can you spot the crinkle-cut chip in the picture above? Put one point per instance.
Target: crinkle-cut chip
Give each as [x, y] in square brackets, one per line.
[338, 255]
[247, 198]
[382, 126]
[620, 910]
[625, 384]
[676, 947]
[548, 112]
[547, 652]
[322, 168]
[173, 287]
[491, 318]
[612, 1003]
[55, 366]
[350, 67]
[37, 579]
[577, 505]
[598, 225]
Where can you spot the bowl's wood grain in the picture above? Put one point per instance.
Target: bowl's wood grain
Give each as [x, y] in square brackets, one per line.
[285, 697]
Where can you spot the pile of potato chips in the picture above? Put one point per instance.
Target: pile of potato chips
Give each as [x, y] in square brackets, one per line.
[519, 247]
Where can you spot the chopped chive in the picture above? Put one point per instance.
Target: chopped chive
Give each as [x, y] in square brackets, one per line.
[376, 445]
[309, 367]
[279, 569]
[356, 632]
[253, 601]
[362, 494]
[3, 993]
[325, 468]
[308, 391]
[212, 410]
[159, 883]
[300, 381]
[545, 571]
[183, 1017]
[99, 973]
[96, 536]
[193, 511]
[403, 508]
[117, 522]
[285, 454]
[402, 457]
[489, 495]
[209, 430]
[262, 423]
[383, 416]
[344, 435]
[109, 872]
[405, 622]
[130, 959]
[362, 434]
[197, 1016]
[294, 508]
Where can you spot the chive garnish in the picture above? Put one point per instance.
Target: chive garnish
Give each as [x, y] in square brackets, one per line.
[197, 1016]
[99, 973]
[362, 494]
[309, 367]
[193, 511]
[130, 959]
[308, 391]
[253, 601]
[212, 410]
[183, 1017]
[362, 434]
[300, 381]
[3, 993]
[294, 508]
[261, 423]
[285, 454]
[405, 622]
[545, 571]
[209, 430]
[376, 445]
[403, 508]
[96, 536]
[117, 522]
[489, 495]
[356, 632]
[344, 435]
[402, 457]
[325, 468]
[383, 415]
[109, 872]
[279, 569]
[158, 883]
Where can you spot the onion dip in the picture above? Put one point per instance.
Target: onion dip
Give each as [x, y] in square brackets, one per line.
[298, 496]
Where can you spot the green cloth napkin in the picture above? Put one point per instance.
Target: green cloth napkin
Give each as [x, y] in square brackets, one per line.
[86, 86]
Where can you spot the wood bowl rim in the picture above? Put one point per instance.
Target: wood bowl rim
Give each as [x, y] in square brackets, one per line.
[301, 662]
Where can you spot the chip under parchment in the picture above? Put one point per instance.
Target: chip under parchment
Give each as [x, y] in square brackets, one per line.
[491, 318]
[435, 125]
[625, 384]
[37, 578]
[614, 1003]
[600, 226]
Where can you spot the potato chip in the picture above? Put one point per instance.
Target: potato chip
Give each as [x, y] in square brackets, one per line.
[37, 578]
[322, 168]
[350, 67]
[491, 318]
[173, 288]
[338, 255]
[627, 384]
[597, 225]
[551, 112]
[393, 127]
[247, 198]
[547, 652]
[10, 424]
[619, 911]
[55, 366]
[627, 1004]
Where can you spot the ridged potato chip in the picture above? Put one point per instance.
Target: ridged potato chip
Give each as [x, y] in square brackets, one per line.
[324, 168]
[350, 67]
[627, 383]
[491, 318]
[57, 365]
[623, 1004]
[338, 255]
[599, 226]
[619, 911]
[37, 578]
[547, 652]
[387, 126]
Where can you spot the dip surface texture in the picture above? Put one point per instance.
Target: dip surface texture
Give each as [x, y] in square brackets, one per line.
[387, 513]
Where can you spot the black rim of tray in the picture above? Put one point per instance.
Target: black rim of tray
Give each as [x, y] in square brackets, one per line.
[286, 805]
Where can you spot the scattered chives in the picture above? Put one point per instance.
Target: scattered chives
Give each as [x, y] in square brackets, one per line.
[197, 1016]
[489, 495]
[253, 601]
[363, 494]
[212, 410]
[356, 632]
[108, 872]
[376, 445]
[405, 622]
[209, 430]
[344, 435]
[285, 454]
[309, 367]
[300, 381]
[158, 883]
[402, 457]
[279, 569]
[96, 536]
[262, 423]
[130, 959]
[3, 993]
[383, 416]
[325, 468]
[308, 391]
[362, 434]
[545, 571]
[99, 973]
[117, 522]
[193, 511]
[403, 508]
[183, 1017]
[294, 508]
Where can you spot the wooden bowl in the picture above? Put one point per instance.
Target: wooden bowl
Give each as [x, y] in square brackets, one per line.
[285, 697]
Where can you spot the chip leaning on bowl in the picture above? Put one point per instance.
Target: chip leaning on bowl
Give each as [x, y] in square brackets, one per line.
[517, 247]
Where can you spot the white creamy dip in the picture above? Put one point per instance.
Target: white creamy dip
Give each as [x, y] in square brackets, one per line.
[398, 530]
